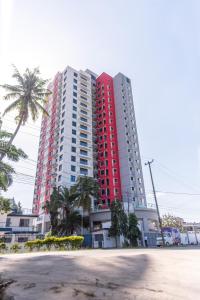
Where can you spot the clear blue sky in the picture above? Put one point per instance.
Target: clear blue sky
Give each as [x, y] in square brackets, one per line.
[155, 43]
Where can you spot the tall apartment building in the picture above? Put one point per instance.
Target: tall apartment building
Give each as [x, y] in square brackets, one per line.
[132, 183]
[107, 141]
[90, 130]
[66, 145]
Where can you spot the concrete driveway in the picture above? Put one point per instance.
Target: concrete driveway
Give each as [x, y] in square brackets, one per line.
[103, 274]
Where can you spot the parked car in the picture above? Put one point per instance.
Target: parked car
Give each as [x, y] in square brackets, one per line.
[171, 237]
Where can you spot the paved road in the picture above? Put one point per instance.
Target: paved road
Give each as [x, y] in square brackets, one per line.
[104, 274]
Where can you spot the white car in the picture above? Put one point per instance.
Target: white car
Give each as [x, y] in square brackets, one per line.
[168, 240]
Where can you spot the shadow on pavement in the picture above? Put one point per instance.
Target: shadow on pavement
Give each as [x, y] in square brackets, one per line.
[78, 277]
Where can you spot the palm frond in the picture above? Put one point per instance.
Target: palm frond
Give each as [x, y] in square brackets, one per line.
[41, 108]
[12, 106]
[17, 75]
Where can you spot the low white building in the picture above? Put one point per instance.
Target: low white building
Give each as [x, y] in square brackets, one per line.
[17, 227]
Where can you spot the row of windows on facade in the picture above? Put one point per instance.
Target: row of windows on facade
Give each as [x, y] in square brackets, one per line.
[102, 94]
[73, 149]
[84, 127]
[74, 116]
[106, 192]
[74, 108]
[101, 86]
[83, 171]
[75, 81]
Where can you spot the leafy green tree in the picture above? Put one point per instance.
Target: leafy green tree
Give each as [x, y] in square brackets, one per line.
[133, 231]
[85, 189]
[172, 221]
[29, 97]
[4, 205]
[116, 220]
[13, 154]
[52, 207]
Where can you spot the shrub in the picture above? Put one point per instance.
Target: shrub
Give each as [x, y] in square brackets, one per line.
[37, 244]
[15, 247]
[2, 246]
[66, 242]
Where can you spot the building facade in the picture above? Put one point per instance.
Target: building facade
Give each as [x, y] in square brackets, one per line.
[132, 182]
[90, 131]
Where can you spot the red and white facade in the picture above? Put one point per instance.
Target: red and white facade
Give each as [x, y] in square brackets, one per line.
[90, 130]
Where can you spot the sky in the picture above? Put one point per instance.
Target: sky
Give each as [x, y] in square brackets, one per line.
[156, 43]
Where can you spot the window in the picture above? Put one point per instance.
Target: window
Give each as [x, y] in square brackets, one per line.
[73, 140]
[59, 177]
[73, 149]
[73, 131]
[83, 112]
[61, 148]
[75, 74]
[75, 87]
[83, 119]
[83, 152]
[83, 127]
[73, 178]
[83, 104]
[75, 80]
[74, 108]
[83, 78]
[82, 143]
[63, 107]
[63, 114]
[83, 135]
[74, 101]
[22, 239]
[60, 168]
[73, 158]
[60, 157]
[73, 168]
[83, 91]
[62, 138]
[62, 130]
[74, 123]
[82, 97]
[24, 223]
[83, 171]
[74, 116]
[83, 161]
[62, 123]
[74, 94]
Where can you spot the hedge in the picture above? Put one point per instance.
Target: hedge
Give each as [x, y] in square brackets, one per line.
[67, 242]
[3, 246]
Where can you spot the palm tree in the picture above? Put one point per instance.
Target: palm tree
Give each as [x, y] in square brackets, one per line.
[67, 199]
[29, 96]
[86, 188]
[52, 207]
[70, 223]
[12, 153]
[71, 218]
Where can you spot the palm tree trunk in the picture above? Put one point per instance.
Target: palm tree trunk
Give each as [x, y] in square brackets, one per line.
[12, 138]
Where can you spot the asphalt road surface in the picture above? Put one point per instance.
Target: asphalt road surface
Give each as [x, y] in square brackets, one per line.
[103, 274]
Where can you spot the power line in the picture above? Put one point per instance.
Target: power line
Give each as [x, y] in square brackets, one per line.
[174, 176]
[27, 133]
[178, 193]
[29, 126]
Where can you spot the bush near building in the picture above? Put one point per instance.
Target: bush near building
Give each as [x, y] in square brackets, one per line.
[67, 242]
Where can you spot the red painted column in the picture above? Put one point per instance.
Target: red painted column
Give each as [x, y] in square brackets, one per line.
[107, 144]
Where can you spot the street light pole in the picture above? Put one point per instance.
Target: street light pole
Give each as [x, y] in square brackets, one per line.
[154, 193]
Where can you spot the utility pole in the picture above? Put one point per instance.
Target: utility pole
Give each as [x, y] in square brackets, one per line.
[154, 193]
